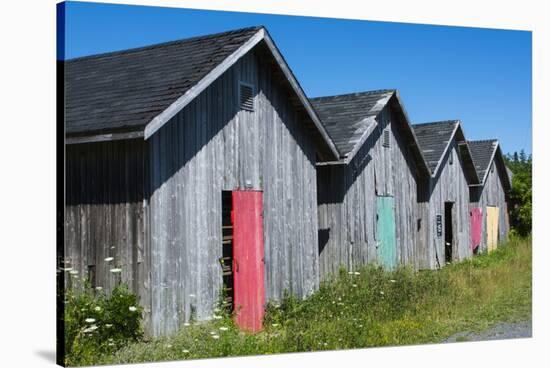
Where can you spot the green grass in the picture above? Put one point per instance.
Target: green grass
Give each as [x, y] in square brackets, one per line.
[374, 308]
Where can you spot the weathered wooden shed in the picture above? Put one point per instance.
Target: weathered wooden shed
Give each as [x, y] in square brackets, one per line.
[368, 198]
[190, 168]
[444, 197]
[489, 198]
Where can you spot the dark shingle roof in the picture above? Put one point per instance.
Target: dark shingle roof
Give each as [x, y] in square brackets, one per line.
[125, 90]
[482, 154]
[345, 117]
[433, 139]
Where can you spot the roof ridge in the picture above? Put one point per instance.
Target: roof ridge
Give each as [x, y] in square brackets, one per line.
[454, 121]
[166, 43]
[377, 91]
[483, 140]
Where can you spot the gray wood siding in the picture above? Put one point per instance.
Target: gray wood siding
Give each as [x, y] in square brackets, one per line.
[449, 185]
[211, 146]
[104, 214]
[492, 194]
[347, 201]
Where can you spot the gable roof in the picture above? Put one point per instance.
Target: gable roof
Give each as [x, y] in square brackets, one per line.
[351, 118]
[435, 140]
[347, 117]
[137, 91]
[125, 90]
[483, 153]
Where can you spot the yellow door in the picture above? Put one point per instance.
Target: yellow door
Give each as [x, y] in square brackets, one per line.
[492, 228]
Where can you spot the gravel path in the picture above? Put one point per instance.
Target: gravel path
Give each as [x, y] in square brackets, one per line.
[498, 332]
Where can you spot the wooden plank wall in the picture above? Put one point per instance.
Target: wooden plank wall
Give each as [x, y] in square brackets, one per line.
[491, 194]
[211, 146]
[104, 214]
[347, 201]
[450, 185]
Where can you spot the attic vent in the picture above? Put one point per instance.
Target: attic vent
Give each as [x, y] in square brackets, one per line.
[451, 158]
[246, 96]
[386, 138]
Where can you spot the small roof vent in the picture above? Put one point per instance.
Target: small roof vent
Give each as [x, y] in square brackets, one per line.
[386, 138]
[246, 96]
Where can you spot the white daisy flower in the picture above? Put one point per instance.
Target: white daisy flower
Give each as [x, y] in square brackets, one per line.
[111, 344]
[168, 346]
[91, 328]
[216, 336]
[356, 273]
[98, 288]
[132, 308]
[90, 320]
[382, 292]
[108, 325]
[217, 317]
[274, 324]
[73, 272]
[97, 308]
[187, 324]
[109, 259]
[216, 309]
[354, 285]
[393, 281]
[224, 328]
[185, 351]
[116, 270]
[350, 273]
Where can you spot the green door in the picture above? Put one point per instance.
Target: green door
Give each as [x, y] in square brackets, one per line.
[385, 228]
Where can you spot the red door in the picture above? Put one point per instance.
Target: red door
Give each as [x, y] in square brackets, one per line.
[248, 259]
[476, 217]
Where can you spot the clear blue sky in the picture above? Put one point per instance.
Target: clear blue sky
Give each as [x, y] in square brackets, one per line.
[480, 76]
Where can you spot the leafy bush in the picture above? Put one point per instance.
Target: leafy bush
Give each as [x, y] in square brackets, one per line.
[521, 193]
[97, 323]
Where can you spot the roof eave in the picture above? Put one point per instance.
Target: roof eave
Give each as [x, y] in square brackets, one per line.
[425, 166]
[102, 137]
[486, 174]
[474, 179]
[498, 149]
[301, 95]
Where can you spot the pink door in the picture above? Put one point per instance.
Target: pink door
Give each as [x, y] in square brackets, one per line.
[476, 223]
[248, 259]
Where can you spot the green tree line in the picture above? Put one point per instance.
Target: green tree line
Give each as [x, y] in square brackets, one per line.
[520, 205]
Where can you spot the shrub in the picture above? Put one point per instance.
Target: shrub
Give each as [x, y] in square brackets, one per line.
[97, 323]
[520, 204]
